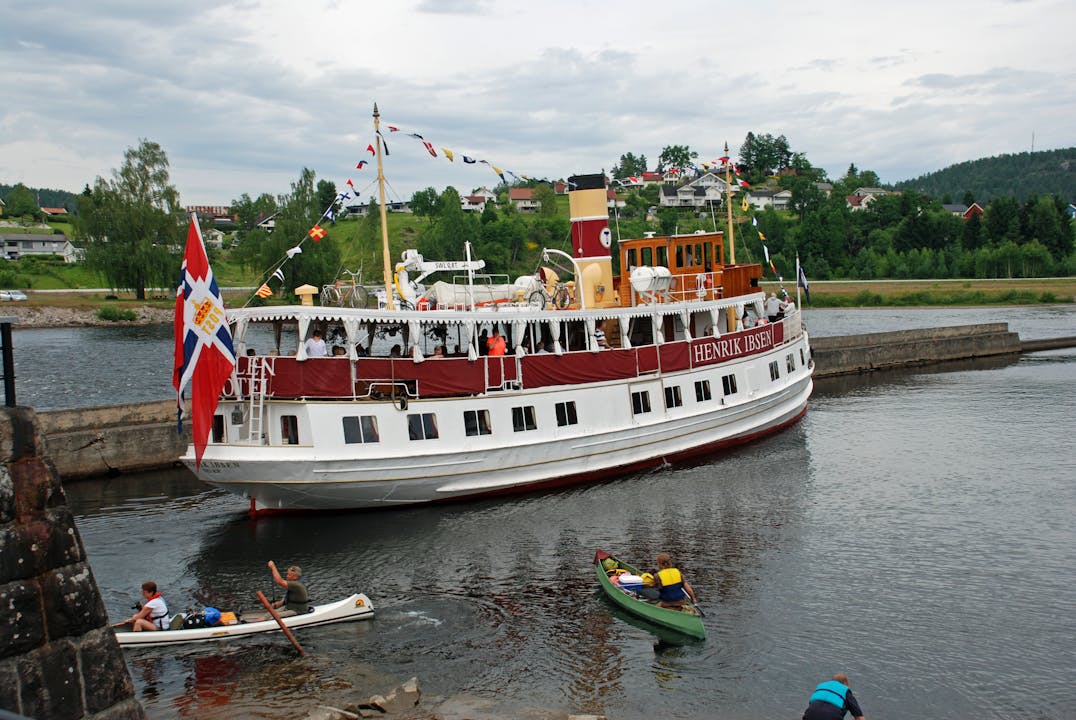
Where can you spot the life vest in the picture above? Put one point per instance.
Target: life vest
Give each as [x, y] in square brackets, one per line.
[158, 619]
[830, 691]
[671, 584]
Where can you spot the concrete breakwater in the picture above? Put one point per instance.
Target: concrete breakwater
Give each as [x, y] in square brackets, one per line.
[101, 441]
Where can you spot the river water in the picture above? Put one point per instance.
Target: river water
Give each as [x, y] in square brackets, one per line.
[915, 530]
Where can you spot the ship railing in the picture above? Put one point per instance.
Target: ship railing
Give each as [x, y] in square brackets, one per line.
[695, 286]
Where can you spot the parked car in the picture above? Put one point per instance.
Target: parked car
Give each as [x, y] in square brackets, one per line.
[12, 295]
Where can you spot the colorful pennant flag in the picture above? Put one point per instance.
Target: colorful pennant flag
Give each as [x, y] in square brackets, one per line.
[359, 167]
[292, 252]
[392, 128]
[468, 160]
[264, 291]
[766, 252]
[279, 274]
[384, 145]
[204, 356]
[352, 186]
[317, 232]
[370, 148]
[448, 154]
[429, 149]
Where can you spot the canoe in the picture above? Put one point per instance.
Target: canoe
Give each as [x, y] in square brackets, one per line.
[686, 620]
[355, 607]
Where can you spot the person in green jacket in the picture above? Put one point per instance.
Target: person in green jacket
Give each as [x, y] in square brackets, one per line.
[296, 599]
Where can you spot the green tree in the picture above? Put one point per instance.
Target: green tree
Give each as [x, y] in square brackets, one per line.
[424, 202]
[327, 197]
[20, 202]
[132, 224]
[676, 156]
[1001, 222]
[1047, 224]
[629, 166]
[545, 195]
[299, 211]
[443, 239]
[764, 154]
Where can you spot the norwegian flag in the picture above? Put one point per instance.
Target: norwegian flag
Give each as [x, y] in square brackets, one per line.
[204, 356]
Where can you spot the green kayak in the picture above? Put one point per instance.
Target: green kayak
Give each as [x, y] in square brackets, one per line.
[686, 620]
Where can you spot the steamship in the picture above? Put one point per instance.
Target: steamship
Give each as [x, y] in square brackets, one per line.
[601, 374]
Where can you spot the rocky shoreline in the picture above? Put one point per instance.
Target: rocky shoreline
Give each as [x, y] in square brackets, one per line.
[50, 316]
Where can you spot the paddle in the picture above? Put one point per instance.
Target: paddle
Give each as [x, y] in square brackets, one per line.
[280, 622]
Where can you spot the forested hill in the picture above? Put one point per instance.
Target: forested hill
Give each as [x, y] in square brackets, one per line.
[1046, 172]
[46, 197]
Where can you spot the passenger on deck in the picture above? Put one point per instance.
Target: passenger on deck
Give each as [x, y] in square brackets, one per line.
[496, 344]
[673, 589]
[153, 615]
[773, 308]
[315, 346]
[395, 352]
[296, 599]
[748, 320]
[599, 337]
[360, 351]
[339, 351]
[251, 352]
[438, 352]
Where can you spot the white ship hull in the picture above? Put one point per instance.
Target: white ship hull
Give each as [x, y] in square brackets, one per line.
[608, 438]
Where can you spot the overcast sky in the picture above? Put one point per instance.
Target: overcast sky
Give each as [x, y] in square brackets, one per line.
[243, 95]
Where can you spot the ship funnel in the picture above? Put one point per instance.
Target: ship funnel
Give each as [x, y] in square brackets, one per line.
[587, 209]
[591, 239]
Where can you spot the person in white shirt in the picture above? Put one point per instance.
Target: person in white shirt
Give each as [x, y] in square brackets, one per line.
[153, 615]
[773, 307]
[315, 346]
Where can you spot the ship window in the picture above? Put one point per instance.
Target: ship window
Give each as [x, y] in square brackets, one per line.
[663, 256]
[775, 371]
[361, 429]
[476, 422]
[728, 384]
[803, 360]
[672, 397]
[706, 254]
[647, 254]
[629, 258]
[679, 256]
[790, 362]
[640, 402]
[566, 414]
[289, 430]
[422, 426]
[218, 428]
[523, 418]
[702, 390]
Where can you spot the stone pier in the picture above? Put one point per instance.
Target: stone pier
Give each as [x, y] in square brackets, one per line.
[58, 656]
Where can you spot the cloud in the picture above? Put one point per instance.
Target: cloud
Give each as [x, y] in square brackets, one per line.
[242, 95]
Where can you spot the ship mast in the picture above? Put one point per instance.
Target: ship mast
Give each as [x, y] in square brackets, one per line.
[728, 206]
[389, 301]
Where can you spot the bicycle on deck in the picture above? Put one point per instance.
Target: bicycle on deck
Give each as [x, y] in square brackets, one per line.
[345, 292]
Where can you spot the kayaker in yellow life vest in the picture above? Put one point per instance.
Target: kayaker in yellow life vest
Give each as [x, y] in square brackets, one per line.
[673, 589]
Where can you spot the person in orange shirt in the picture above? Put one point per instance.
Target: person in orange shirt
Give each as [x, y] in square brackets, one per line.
[496, 344]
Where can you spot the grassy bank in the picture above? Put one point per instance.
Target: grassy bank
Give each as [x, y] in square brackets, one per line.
[905, 293]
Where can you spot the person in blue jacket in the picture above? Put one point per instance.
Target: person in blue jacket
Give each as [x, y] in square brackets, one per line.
[831, 700]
